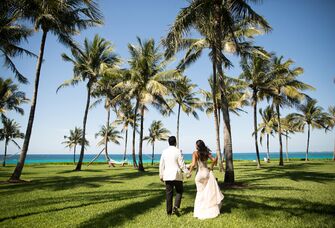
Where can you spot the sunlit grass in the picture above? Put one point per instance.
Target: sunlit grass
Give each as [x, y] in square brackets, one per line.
[297, 195]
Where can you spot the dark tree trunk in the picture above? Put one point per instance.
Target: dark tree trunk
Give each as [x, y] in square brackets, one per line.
[255, 128]
[178, 118]
[125, 145]
[134, 135]
[286, 146]
[74, 154]
[308, 136]
[19, 167]
[4, 158]
[106, 134]
[268, 147]
[140, 150]
[82, 149]
[153, 153]
[281, 161]
[215, 111]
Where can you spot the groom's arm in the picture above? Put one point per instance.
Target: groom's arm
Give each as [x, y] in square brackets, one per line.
[181, 163]
[161, 167]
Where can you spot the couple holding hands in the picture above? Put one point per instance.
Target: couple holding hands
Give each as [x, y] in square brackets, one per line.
[208, 199]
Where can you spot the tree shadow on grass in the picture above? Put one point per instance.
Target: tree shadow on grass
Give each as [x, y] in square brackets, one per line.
[79, 200]
[124, 214]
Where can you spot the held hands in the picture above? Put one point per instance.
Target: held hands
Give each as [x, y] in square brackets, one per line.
[188, 175]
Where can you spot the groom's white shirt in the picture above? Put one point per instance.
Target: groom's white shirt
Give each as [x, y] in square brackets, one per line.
[172, 164]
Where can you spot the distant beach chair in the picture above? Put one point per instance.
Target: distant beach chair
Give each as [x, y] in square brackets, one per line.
[266, 160]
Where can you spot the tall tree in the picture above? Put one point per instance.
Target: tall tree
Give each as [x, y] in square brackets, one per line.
[311, 115]
[184, 96]
[287, 91]
[90, 64]
[73, 140]
[62, 18]
[9, 132]
[11, 35]
[149, 82]
[216, 21]
[331, 123]
[104, 89]
[256, 75]
[156, 133]
[267, 127]
[10, 97]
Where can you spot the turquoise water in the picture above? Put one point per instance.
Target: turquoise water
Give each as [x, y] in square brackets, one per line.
[49, 158]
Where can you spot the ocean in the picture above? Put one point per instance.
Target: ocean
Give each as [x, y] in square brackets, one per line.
[65, 158]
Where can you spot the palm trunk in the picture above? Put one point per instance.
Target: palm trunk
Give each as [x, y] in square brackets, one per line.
[308, 136]
[268, 147]
[281, 161]
[178, 118]
[255, 128]
[140, 150]
[153, 153]
[74, 154]
[134, 135]
[125, 145]
[19, 167]
[4, 158]
[82, 149]
[106, 135]
[216, 119]
[286, 146]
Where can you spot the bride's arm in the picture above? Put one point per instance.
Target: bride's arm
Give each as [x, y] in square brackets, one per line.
[194, 160]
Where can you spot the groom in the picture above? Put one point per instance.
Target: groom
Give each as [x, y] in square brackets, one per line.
[171, 166]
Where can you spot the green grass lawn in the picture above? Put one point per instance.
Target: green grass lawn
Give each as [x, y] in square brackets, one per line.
[297, 195]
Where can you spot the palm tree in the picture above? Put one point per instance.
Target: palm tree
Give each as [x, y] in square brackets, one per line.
[9, 132]
[156, 133]
[216, 21]
[90, 64]
[125, 117]
[113, 135]
[331, 123]
[104, 89]
[148, 82]
[185, 97]
[73, 140]
[10, 97]
[267, 127]
[256, 75]
[312, 116]
[11, 35]
[62, 18]
[287, 91]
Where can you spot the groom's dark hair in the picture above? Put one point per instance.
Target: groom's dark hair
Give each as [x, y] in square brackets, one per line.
[172, 141]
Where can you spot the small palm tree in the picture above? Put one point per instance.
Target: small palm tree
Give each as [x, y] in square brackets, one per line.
[9, 132]
[312, 116]
[125, 117]
[73, 140]
[185, 97]
[113, 135]
[63, 18]
[289, 127]
[10, 97]
[11, 35]
[267, 127]
[90, 64]
[156, 133]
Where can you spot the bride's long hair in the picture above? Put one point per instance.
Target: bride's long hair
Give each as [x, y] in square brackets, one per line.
[203, 150]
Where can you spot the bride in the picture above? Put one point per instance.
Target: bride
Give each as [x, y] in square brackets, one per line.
[208, 199]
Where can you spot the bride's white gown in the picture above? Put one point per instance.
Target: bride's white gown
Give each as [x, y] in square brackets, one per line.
[208, 199]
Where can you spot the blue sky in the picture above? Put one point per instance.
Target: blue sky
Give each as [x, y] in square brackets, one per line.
[303, 30]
